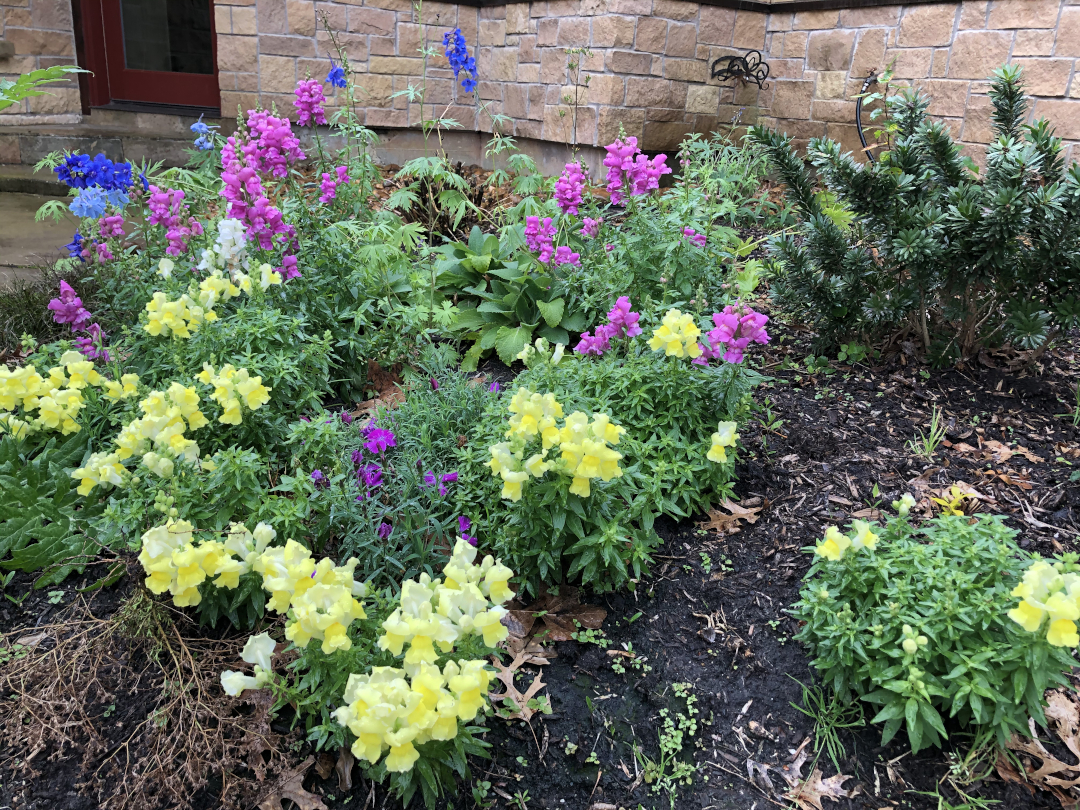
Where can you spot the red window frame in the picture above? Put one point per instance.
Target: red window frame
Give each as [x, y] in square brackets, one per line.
[102, 52]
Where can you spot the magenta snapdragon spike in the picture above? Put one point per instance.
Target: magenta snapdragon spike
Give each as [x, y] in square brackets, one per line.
[539, 237]
[384, 531]
[103, 252]
[111, 226]
[631, 173]
[698, 239]
[622, 323]
[92, 345]
[167, 208]
[591, 227]
[564, 255]
[734, 329]
[329, 183]
[309, 102]
[288, 268]
[266, 148]
[68, 308]
[569, 188]
[596, 344]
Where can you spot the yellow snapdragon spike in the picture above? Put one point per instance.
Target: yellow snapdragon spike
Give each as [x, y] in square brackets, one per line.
[1062, 633]
[864, 536]
[677, 335]
[512, 482]
[580, 487]
[834, 546]
[1027, 615]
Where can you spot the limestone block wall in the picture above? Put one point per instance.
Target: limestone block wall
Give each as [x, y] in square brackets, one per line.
[646, 63]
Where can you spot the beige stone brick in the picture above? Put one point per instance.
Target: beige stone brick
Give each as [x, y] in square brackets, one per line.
[517, 19]
[831, 84]
[648, 93]
[816, 20]
[338, 15]
[238, 53]
[675, 9]
[503, 65]
[869, 52]
[528, 74]
[629, 62]
[301, 15]
[30, 42]
[868, 17]
[657, 114]
[977, 54]
[573, 33]
[638, 7]
[930, 24]
[9, 149]
[660, 135]
[273, 18]
[686, 70]
[396, 65]
[564, 8]
[610, 118]
[249, 82]
[492, 32]
[947, 97]
[593, 8]
[681, 40]
[612, 31]
[547, 32]
[528, 129]
[53, 15]
[910, 63]
[780, 21]
[1033, 43]
[977, 120]
[939, 67]
[277, 74]
[537, 101]
[230, 102]
[786, 69]
[387, 46]
[1020, 14]
[243, 21]
[222, 19]
[409, 39]
[552, 66]
[830, 50]
[387, 118]
[792, 99]
[800, 129]
[1068, 33]
[1064, 115]
[556, 123]
[20, 18]
[651, 35]
[378, 90]
[973, 14]
[286, 46]
[774, 44]
[702, 98]
[795, 45]
[606, 89]
[840, 111]
[1046, 77]
[57, 101]
[716, 25]
[515, 101]
[749, 30]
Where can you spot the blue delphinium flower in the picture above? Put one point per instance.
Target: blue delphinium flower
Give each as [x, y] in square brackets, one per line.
[458, 53]
[83, 172]
[336, 76]
[74, 247]
[90, 202]
[205, 141]
[117, 197]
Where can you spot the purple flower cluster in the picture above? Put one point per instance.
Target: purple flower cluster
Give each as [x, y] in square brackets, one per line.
[591, 227]
[464, 524]
[266, 147]
[539, 238]
[735, 328]
[569, 188]
[457, 52]
[695, 237]
[336, 76]
[440, 480]
[378, 439]
[68, 308]
[629, 172]
[319, 480]
[309, 102]
[622, 323]
[564, 255]
[167, 208]
[329, 184]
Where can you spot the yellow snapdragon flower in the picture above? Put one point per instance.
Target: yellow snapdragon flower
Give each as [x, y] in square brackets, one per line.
[1046, 592]
[834, 546]
[724, 437]
[677, 335]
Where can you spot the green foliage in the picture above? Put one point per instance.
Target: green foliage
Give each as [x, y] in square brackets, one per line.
[517, 298]
[946, 586]
[43, 520]
[924, 243]
[28, 84]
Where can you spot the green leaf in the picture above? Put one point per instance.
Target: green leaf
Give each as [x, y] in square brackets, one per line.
[552, 311]
[510, 341]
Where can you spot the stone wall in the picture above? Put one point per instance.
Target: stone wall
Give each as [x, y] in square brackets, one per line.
[647, 63]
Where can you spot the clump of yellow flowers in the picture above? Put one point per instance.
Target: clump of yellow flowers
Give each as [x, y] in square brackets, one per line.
[394, 709]
[57, 398]
[231, 387]
[1047, 591]
[183, 317]
[836, 543]
[584, 446]
[677, 335]
[724, 437]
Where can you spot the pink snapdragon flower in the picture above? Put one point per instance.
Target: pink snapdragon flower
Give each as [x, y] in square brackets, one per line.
[590, 227]
[569, 188]
[622, 323]
[329, 183]
[539, 237]
[698, 239]
[596, 344]
[167, 208]
[309, 102]
[92, 345]
[564, 255]
[68, 308]
[631, 173]
[734, 329]
[103, 252]
[111, 226]
[288, 268]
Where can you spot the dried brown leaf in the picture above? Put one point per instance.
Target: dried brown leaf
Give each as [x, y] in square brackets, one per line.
[292, 788]
[810, 793]
[729, 523]
[520, 700]
[344, 768]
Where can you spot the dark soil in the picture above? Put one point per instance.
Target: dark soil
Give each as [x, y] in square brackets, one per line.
[814, 452]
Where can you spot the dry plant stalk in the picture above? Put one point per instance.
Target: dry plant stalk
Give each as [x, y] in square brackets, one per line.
[175, 739]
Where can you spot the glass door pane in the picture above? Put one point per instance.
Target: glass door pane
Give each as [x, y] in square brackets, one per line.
[172, 36]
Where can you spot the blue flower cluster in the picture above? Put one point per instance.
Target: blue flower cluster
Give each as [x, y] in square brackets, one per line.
[458, 54]
[74, 247]
[100, 182]
[205, 141]
[336, 76]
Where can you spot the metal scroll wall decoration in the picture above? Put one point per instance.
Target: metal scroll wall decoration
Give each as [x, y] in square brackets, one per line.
[748, 68]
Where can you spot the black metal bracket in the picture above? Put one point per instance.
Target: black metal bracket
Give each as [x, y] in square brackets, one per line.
[748, 68]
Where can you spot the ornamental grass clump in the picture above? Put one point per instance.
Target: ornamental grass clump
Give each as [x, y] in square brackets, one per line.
[923, 623]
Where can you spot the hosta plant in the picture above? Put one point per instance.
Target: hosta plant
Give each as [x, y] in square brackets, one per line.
[957, 259]
[916, 622]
